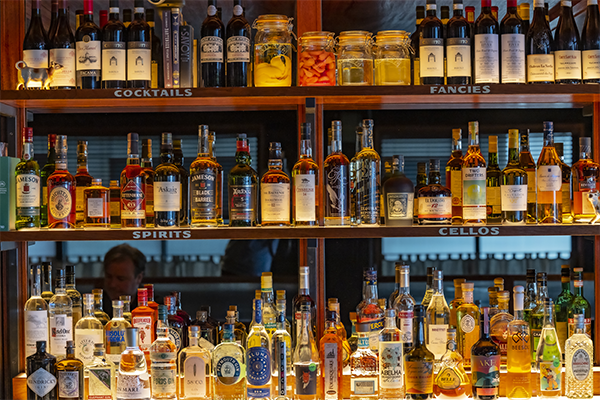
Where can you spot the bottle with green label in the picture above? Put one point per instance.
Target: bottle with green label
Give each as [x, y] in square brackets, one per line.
[549, 356]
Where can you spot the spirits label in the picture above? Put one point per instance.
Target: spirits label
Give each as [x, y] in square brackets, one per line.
[435, 207]
[306, 379]
[540, 67]
[242, 204]
[61, 330]
[550, 375]
[144, 327]
[518, 345]
[115, 344]
[474, 186]
[467, 323]
[493, 199]
[41, 382]
[211, 49]
[330, 372]
[406, 325]
[229, 371]
[85, 339]
[115, 209]
[238, 49]
[100, 384]
[36, 328]
[167, 196]
[305, 197]
[36, 59]
[175, 336]
[164, 380]
[513, 58]
[337, 191]
[487, 67]
[549, 178]
[364, 386]
[590, 64]
[567, 64]
[447, 379]
[581, 204]
[581, 364]
[114, 61]
[514, 197]
[419, 377]
[194, 377]
[259, 371]
[203, 194]
[400, 206]
[485, 374]
[68, 384]
[133, 199]
[391, 374]
[133, 387]
[275, 202]
[532, 186]
[60, 202]
[458, 58]
[437, 340]
[376, 325]
[63, 63]
[28, 190]
[139, 61]
[95, 208]
[431, 53]
[456, 187]
[367, 189]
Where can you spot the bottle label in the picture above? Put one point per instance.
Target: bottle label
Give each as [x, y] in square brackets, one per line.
[28, 190]
[305, 199]
[437, 340]
[194, 377]
[259, 367]
[400, 206]
[41, 382]
[167, 196]
[36, 328]
[95, 208]
[89, 55]
[532, 186]
[164, 380]
[587, 322]
[330, 373]
[550, 375]
[68, 384]
[467, 323]
[487, 68]
[567, 64]
[238, 49]
[518, 345]
[60, 203]
[281, 368]
[406, 325]
[115, 338]
[85, 339]
[514, 197]
[63, 63]
[540, 67]
[419, 377]
[175, 336]
[549, 178]
[456, 187]
[485, 374]
[61, 330]
[144, 327]
[513, 58]
[493, 199]
[242, 202]
[229, 371]
[139, 61]
[100, 384]
[114, 60]
[581, 204]
[306, 379]
[581, 364]
[474, 186]
[391, 362]
[435, 207]
[79, 202]
[337, 191]
[447, 379]
[431, 52]
[590, 63]
[211, 49]
[203, 194]
[538, 3]
[133, 199]
[458, 58]
[36, 59]
[115, 209]
[133, 387]
[364, 386]
[367, 189]
[275, 202]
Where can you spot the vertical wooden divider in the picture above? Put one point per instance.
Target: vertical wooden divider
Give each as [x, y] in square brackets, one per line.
[12, 33]
[596, 144]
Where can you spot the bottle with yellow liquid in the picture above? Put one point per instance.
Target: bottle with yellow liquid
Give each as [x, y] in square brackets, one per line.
[355, 58]
[518, 363]
[474, 180]
[549, 180]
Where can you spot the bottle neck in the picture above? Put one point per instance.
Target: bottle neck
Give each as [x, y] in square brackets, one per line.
[503, 305]
[404, 284]
[166, 155]
[549, 139]
[548, 316]
[133, 159]
[194, 340]
[468, 296]
[113, 14]
[542, 293]
[117, 312]
[363, 340]
[578, 285]
[370, 292]
[513, 155]
[420, 329]
[305, 149]
[493, 159]
[435, 178]
[458, 294]
[438, 287]
[88, 309]
[98, 302]
[27, 151]
[275, 165]
[36, 284]
[330, 325]
[422, 179]
[82, 162]
[390, 323]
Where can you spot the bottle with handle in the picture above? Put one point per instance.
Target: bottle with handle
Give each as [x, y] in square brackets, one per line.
[36, 43]
[567, 50]
[114, 50]
[590, 44]
[487, 67]
[88, 44]
[458, 47]
[62, 51]
[512, 46]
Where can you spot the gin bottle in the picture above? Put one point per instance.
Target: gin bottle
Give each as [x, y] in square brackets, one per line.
[114, 332]
[391, 359]
[259, 357]
[452, 380]
[36, 314]
[438, 318]
[132, 378]
[368, 183]
[163, 367]
[549, 356]
[229, 368]
[518, 363]
[281, 355]
[88, 332]
[579, 355]
[41, 374]
[69, 374]
[101, 376]
[404, 305]
[194, 364]
[60, 315]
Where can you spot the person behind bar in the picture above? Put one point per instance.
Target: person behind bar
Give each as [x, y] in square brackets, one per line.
[124, 268]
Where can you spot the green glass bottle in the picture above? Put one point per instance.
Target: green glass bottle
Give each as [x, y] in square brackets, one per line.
[562, 304]
[530, 295]
[548, 355]
[243, 187]
[27, 175]
[493, 177]
[579, 305]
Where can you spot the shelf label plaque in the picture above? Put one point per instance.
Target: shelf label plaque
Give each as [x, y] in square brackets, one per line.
[162, 234]
[460, 89]
[470, 231]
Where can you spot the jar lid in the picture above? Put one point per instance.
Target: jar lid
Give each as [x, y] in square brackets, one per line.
[317, 36]
[358, 37]
[274, 20]
[392, 37]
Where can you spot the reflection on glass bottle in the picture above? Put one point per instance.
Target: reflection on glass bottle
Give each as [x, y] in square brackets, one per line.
[518, 362]
[452, 380]
[548, 355]
[579, 355]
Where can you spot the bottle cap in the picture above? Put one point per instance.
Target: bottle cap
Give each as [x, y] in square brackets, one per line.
[459, 281]
[266, 280]
[422, 169]
[142, 294]
[27, 135]
[150, 288]
[578, 318]
[457, 134]
[519, 289]
[233, 308]
[166, 138]
[88, 298]
[548, 126]
[352, 316]
[419, 311]
[97, 182]
[194, 329]
[336, 125]
[434, 165]
[466, 286]
[332, 300]
[230, 314]
[585, 145]
[451, 331]
[531, 273]
[280, 294]
[274, 150]
[98, 349]
[367, 123]
[492, 290]
[363, 327]
[149, 15]
[390, 313]
[131, 335]
[117, 303]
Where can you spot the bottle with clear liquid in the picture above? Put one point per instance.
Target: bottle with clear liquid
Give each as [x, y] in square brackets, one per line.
[88, 331]
[563, 300]
[114, 333]
[549, 180]
[163, 367]
[306, 359]
[98, 307]
[530, 295]
[536, 319]
[549, 356]
[133, 380]
[126, 307]
[101, 376]
[36, 314]
[391, 359]
[194, 363]
[229, 368]
[428, 288]
[47, 282]
[258, 350]
[518, 365]
[281, 356]
[438, 318]
[452, 380]
[73, 293]
[579, 356]
[60, 315]
[579, 305]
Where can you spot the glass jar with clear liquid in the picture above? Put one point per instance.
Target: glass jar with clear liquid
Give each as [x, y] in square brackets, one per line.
[273, 51]
[393, 54]
[355, 58]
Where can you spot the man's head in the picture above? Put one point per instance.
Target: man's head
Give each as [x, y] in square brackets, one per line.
[124, 268]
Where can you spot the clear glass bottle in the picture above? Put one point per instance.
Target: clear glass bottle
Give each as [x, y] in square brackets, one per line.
[428, 288]
[353, 339]
[354, 212]
[549, 356]
[163, 367]
[454, 172]
[275, 191]
[419, 362]
[47, 283]
[530, 295]
[258, 350]
[41, 374]
[101, 376]
[88, 331]
[467, 321]
[355, 58]
[73, 293]
[194, 364]
[435, 200]
[438, 318]
[132, 377]
[306, 359]
[579, 305]
[393, 57]
[269, 313]
[368, 311]
[36, 314]
[474, 180]
[549, 180]
[457, 301]
[331, 355]
[305, 178]
[229, 368]
[364, 367]
[391, 359]
[452, 380]
[98, 308]
[114, 333]
[281, 356]
[562, 303]
[335, 174]
[567, 217]
[317, 59]
[60, 315]
[273, 51]
[404, 305]
[579, 356]
[585, 175]
[69, 374]
[499, 324]
[368, 180]
[303, 297]
[398, 195]
[518, 363]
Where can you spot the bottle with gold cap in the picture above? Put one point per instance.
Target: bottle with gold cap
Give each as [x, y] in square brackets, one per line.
[474, 180]
[454, 175]
[499, 283]
[513, 184]
[467, 319]
[458, 300]
[493, 176]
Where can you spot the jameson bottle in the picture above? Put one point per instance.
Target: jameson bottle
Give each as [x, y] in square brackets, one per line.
[203, 184]
[243, 187]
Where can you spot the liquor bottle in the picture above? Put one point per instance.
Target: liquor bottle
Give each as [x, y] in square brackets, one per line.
[524, 11]
[219, 183]
[239, 331]
[567, 47]
[243, 187]
[428, 288]
[514, 184]
[88, 44]
[549, 181]
[467, 322]
[139, 49]
[177, 326]
[530, 295]
[27, 174]
[114, 50]
[151, 303]
[364, 366]
[414, 38]
[549, 356]
[167, 187]
[238, 48]
[499, 323]
[41, 374]
[45, 172]
[194, 366]
[69, 375]
[485, 364]
[115, 204]
[526, 162]
[585, 175]
[269, 313]
[579, 355]
[458, 49]
[163, 367]
[132, 378]
[179, 311]
[281, 354]
[82, 180]
[305, 177]
[257, 295]
[354, 213]
[47, 283]
[101, 375]
[211, 48]
[438, 318]
[536, 319]
[61, 191]
[178, 160]
[157, 74]
[98, 306]
[143, 318]
[391, 359]
[96, 202]
[353, 339]
[133, 187]
[88, 331]
[518, 349]
[62, 51]
[493, 301]
[275, 191]
[454, 172]
[421, 183]
[368, 183]
[435, 200]
[452, 380]
[334, 305]
[563, 301]
[149, 180]
[387, 173]
[53, 17]
[457, 301]
[60, 314]
[590, 44]
[203, 184]
[512, 45]
[369, 312]
[207, 338]
[431, 46]
[579, 305]
[229, 367]
[259, 357]
[486, 60]
[539, 47]
[567, 217]
[114, 332]
[335, 170]
[36, 43]
[126, 307]
[474, 180]
[216, 325]
[36, 314]
[398, 193]
[331, 359]
[419, 362]
[493, 179]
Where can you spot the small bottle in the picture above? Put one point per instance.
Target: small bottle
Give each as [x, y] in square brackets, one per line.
[167, 187]
[391, 359]
[549, 356]
[485, 364]
[467, 321]
[474, 178]
[275, 191]
[88, 332]
[133, 187]
[97, 205]
[28, 191]
[204, 180]
[61, 190]
[435, 200]
[335, 170]
[438, 318]
[585, 176]
[518, 349]
[492, 187]
[368, 179]
[243, 187]
[549, 180]
[398, 194]
[229, 366]
[419, 362]
[454, 170]
[101, 376]
[305, 178]
[163, 367]
[41, 368]
[331, 359]
[579, 355]
[364, 366]
[69, 374]
[452, 380]
[115, 204]
[132, 376]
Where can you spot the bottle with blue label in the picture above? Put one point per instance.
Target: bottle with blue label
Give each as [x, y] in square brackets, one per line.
[259, 357]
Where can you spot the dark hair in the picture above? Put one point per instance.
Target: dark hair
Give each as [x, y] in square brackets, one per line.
[124, 252]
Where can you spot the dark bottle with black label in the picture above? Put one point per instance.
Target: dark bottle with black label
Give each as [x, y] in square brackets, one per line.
[139, 50]
[238, 48]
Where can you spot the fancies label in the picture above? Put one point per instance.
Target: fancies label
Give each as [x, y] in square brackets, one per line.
[485, 89]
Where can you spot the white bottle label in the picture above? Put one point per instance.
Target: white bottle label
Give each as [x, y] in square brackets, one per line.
[549, 178]
[114, 61]
[68, 384]
[41, 382]
[89, 55]
[467, 323]
[36, 59]
[590, 62]
[437, 340]
[330, 373]
[487, 68]
[85, 339]
[28, 190]
[458, 57]
[514, 197]
[167, 196]
[275, 202]
[406, 325]
[133, 387]
[364, 386]
[513, 58]
[95, 208]
[194, 377]
[431, 53]
[540, 68]
[100, 383]
[163, 380]
[139, 61]
[581, 364]
[61, 330]
[391, 373]
[238, 49]
[567, 64]
[435, 207]
[211, 49]
[304, 187]
[144, 327]
[63, 62]
[36, 328]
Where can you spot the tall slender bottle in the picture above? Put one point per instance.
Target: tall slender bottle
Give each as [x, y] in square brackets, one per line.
[567, 217]
[306, 359]
[203, 184]
[530, 295]
[485, 364]
[457, 301]
[243, 187]
[212, 34]
[27, 174]
[368, 311]
[454, 173]
[526, 162]
[431, 47]
[259, 357]
[281, 354]
[492, 187]
[590, 44]
[549, 356]
[83, 179]
[61, 190]
[275, 191]
[98, 307]
[88, 44]
[45, 172]
[354, 214]
[132, 376]
[335, 170]
[579, 305]
[567, 47]
[428, 287]
[584, 179]
[303, 297]
[391, 359]
[238, 48]
[114, 50]
[458, 48]
[512, 45]
[178, 160]
[149, 179]
[114, 333]
[60, 316]
[167, 187]
[539, 47]
[47, 282]
[419, 362]
[579, 377]
[36, 313]
[62, 51]
[36, 43]
[139, 50]
[305, 178]
[474, 179]
[133, 187]
[143, 318]
[524, 10]
[126, 307]
[563, 301]
[368, 179]
[486, 59]
[549, 180]
[41, 373]
[438, 318]
[414, 38]
[467, 322]
[536, 318]
[518, 350]
[88, 331]
[513, 184]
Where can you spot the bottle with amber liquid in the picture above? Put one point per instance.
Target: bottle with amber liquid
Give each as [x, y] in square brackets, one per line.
[474, 180]
[419, 362]
[133, 187]
[518, 350]
[305, 177]
[184, 212]
[454, 175]
[492, 187]
[435, 200]
[335, 170]
[83, 179]
[243, 187]
[452, 381]
[457, 301]
[567, 218]
[69, 374]
[331, 359]
[275, 191]
[115, 204]
[485, 364]
[585, 174]
[149, 175]
[467, 321]
[61, 190]
[45, 172]
[204, 181]
[212, 139]
[96, 205]
[526, 162]
[549, 180]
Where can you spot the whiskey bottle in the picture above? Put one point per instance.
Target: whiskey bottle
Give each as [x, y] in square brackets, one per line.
[47, 282]
[305, 178]
[421, 183]
[258, 350]
[243, 187]
[184, 213]
[485, 364]
[512, 45]
[194, 366]
[457, 301]
[549, 356]
[438, 318]
[452, 380]
[114, 333]
[115, 204]
[132, 378]
[492, 186]
[368, 178]
[101, 376]
[82, 180]
[526, 162]
[499, 324]
[45, 172]
[163, 367]
[579, 305]
[398, 194]
[204, 182]
[219, 188]
[419, 362]
[391, 359]
[549, 180]
[435, 200]
[454, 170]
[585, 174]
[133, 187]
[88, 332]
[567, 47]
[563, 301]
[467, 321]
[518, 349]
[167, 187]
[493, 301]
[368, 311]
[73, 293]
[567, 217]
[60, 315]
[98, 307]
[36, 314]
[337, 192]
[275, 191]
[536, 320]
[579, 355]
[303, 297]
[513, 184]
[143, 318]
[27, 174]
[229, 367]
[354, 214]
[61, 191]
[281, 354]
[41, 374]
[96, 206]
[149, 179]
[474, 177]
[69, 375]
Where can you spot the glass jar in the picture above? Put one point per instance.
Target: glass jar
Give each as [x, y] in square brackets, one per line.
[392, 58]
[273, 51]
[355, 58]
[316, 66]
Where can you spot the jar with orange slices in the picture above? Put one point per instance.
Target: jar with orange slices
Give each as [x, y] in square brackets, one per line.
[316, 64]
